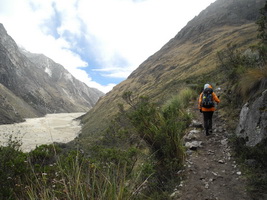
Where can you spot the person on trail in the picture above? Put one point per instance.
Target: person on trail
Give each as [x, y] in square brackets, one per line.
[206, 105]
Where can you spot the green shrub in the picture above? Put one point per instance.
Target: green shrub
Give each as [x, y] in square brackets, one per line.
[44, 154]
[233, 63]
[13, 167]
[162, 129]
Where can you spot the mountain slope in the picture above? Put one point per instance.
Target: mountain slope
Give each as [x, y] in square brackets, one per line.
[37, 84]
[65, 84]
[187, 59]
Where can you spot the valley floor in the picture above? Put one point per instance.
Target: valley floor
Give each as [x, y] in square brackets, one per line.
[33, 132]
[211, 172]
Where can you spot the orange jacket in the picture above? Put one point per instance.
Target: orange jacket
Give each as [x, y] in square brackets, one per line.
[214, 97]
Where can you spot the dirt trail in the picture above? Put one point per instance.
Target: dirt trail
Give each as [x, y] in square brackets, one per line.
[211, 172]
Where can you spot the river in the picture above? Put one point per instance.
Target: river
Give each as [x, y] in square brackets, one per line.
[34, 132]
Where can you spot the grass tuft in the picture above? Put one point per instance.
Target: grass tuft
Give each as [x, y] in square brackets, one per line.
[253, 82]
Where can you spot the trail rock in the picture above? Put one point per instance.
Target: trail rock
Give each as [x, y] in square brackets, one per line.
[193, 145]
[210, 152]
[175, 195]
[196, 124]
[224, 142]
[220, 129]
[221, 161]
[192, 135]
[214, 173]
[253, 121]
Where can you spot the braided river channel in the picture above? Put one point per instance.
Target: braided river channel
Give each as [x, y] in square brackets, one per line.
[60, 128]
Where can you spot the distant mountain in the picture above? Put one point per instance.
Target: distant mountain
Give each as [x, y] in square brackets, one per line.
[190, 58]
[33, 85]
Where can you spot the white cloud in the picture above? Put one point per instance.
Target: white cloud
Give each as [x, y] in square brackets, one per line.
[87, 80]
[134, 30]
[115, 72]
[122, 33]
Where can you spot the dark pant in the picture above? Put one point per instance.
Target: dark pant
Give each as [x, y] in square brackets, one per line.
[208, 122]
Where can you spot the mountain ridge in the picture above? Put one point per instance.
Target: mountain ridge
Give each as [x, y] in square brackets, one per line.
[39, 82]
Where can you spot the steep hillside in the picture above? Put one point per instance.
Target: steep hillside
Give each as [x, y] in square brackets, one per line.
[33, 85]
[189, 58]
[12, 108]
[77, 92]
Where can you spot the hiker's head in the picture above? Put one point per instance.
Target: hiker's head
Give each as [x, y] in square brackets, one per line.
[207, 86]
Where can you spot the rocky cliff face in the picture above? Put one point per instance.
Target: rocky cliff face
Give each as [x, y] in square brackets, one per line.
[67, 87]
[253, 121]
[36, 85]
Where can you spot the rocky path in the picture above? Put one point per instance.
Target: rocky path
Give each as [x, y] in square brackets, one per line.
[211, 172]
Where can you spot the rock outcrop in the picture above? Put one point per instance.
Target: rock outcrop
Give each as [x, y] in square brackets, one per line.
[253, 121]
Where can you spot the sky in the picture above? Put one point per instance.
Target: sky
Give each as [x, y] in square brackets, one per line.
[100, 42]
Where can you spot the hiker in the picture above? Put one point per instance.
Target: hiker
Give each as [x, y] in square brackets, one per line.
[206, 106]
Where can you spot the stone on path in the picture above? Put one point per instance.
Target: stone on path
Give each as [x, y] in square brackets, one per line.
[196, 124]
[193, 145]
[192, 135]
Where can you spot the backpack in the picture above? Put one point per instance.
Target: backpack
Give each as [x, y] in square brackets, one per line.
[207, 100]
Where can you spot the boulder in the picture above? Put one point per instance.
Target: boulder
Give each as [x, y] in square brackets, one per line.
[253, 121]
[192, 135]
[193, 145]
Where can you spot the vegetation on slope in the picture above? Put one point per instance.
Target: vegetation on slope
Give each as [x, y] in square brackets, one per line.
[139, 154]
[137, 158]
[190, 58]
[245, 73]
[249, 82]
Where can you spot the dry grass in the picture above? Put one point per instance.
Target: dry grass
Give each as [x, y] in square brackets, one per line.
[253, 82]
[168, 71]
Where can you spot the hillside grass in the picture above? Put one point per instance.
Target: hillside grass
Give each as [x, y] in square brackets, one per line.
[160, 81]
[179, 65]
[245, 74]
